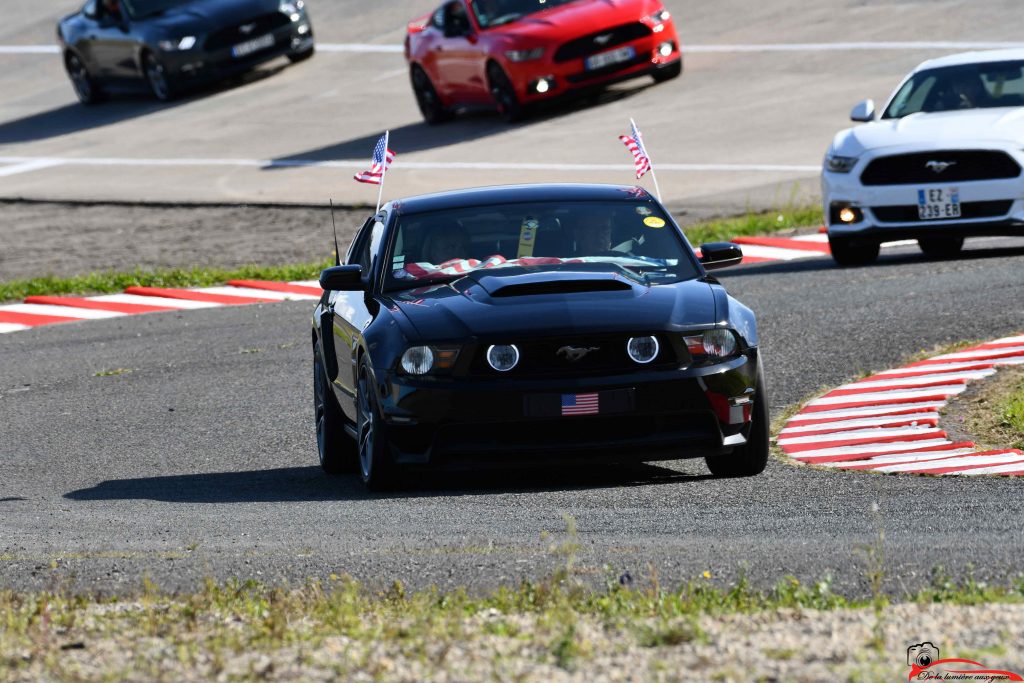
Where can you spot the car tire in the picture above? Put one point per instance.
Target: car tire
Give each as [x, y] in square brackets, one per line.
[86, 89]
[376, 465]
[337, 450]
[429, 102]
[504, 94]
[849, 253]
[159, 82]
[296, 57]
[941, 247]
[750, 459]
[667, 73]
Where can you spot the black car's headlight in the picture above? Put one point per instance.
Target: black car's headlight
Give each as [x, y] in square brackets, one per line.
[184, 43]
[292, 7]
[712, 345]
[421, 360]
[839, 164]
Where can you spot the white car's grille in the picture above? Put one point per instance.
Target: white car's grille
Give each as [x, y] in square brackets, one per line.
[940, 167]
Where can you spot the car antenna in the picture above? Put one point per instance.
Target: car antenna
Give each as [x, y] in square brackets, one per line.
[337, 254]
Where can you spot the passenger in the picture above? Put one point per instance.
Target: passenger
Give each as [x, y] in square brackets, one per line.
[966, 91]
[592, 233]
[446, 243]
[112, 8]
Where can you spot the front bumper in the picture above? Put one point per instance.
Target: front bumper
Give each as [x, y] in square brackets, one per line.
[573, 76]
[201, 65]
[645, 416]
[990, 207]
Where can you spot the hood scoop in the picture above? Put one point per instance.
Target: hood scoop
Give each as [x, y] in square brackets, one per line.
[533, 284]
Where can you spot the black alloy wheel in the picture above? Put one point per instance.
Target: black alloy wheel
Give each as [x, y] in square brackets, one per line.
[504, 94]
[427, 98]
[156, 76]
[375, 463]
[751, 458]
[337, 449]
[941, 247]
[848, 253]
[85, 87]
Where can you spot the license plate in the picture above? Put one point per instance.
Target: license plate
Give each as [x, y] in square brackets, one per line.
[603, 59]
[254, 45]
[938, 203]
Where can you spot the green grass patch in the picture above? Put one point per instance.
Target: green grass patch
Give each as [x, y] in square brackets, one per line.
[1012, 412]
[766, 222]
[112, 281]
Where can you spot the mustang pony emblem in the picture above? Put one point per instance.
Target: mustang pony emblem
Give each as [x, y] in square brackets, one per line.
[575, 353]
[939, 166]
[246, 29]
[603, 38]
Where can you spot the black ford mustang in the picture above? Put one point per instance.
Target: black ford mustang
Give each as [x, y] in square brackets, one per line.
[168, 45]
[520, 324]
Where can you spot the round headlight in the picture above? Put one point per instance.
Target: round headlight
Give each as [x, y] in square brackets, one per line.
[642, 349]
[503, 357]
[418, 360]
[720, 343]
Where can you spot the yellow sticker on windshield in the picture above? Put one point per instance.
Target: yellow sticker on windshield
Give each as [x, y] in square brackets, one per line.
[527, 236]
[654, 222]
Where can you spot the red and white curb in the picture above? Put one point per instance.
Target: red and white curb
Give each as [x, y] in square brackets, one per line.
[769, 249]
[48, 310]
[889, 422]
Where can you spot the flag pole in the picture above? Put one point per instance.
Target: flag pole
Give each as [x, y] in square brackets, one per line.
[384, 173]
[654, 177]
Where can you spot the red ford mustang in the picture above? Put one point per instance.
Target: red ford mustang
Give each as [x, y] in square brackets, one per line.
[511, 53]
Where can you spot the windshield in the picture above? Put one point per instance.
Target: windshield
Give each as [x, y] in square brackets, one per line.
[490, 13]
[138, 9]
[444, 245]
[967, 86]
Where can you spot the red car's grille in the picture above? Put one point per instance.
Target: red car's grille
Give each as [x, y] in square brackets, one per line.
[601, 41]
[254, 28]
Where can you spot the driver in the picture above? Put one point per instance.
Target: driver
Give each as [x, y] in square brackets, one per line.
[112, 8]
[966, 91]
[445, 243]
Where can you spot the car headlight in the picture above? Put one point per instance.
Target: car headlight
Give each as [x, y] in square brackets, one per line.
[660, 17]
[186, 43]
[838, 164]
[292, 7]
[642, 349]
[503, 357]
[420, 360]
[524, 55]
[716, 344]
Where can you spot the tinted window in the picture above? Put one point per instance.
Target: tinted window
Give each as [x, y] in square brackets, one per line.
[497, 12]
[967, 86]
[633, 236]
[147, 8]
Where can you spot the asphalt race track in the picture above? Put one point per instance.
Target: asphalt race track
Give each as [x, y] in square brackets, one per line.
[181, 446]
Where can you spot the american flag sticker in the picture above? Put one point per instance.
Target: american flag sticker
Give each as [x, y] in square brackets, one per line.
[579, 404]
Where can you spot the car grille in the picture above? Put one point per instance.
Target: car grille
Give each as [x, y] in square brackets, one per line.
[540, 357]
[585, 76]
[908, 214]
[589, 45]
[258, 26]
[907, 169]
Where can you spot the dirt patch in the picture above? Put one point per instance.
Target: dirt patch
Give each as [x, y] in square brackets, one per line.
[66, 239]
[977, 414]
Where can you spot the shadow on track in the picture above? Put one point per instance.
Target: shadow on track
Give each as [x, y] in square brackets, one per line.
[296, 484]
[121, 106]
[886, 260]
[470, 126]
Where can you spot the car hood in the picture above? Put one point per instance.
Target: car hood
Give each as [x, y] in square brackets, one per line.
[209, 15]
[577, 18]
[1004, 125]
[543, 303]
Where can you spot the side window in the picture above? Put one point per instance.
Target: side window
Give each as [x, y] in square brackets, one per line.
[437, 21]
[89, 9]
[359, 242]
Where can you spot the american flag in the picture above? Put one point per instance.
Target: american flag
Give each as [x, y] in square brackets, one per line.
[382, 158]
[579, 404]
[634, 142]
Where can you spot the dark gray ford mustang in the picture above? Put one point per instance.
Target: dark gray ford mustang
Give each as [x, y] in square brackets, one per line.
[530, 323]
[166, 46]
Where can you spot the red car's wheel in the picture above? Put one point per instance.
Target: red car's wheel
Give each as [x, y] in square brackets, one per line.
[504, 94]
[426, 97]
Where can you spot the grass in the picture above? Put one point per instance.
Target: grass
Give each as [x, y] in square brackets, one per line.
[1011, 412]
[115, 281]
[993, 411]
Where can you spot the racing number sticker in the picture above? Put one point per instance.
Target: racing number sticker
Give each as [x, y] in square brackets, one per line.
[527, 236]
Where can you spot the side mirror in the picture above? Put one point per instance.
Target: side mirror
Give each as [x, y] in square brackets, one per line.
[720, 255]
[342, 278]
[863, 112]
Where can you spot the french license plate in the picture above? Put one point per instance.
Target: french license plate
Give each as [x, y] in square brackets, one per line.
[937, 203]
[603, 59]
[254, 45]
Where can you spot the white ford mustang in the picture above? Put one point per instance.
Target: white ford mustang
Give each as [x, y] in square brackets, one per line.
[942, 162]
